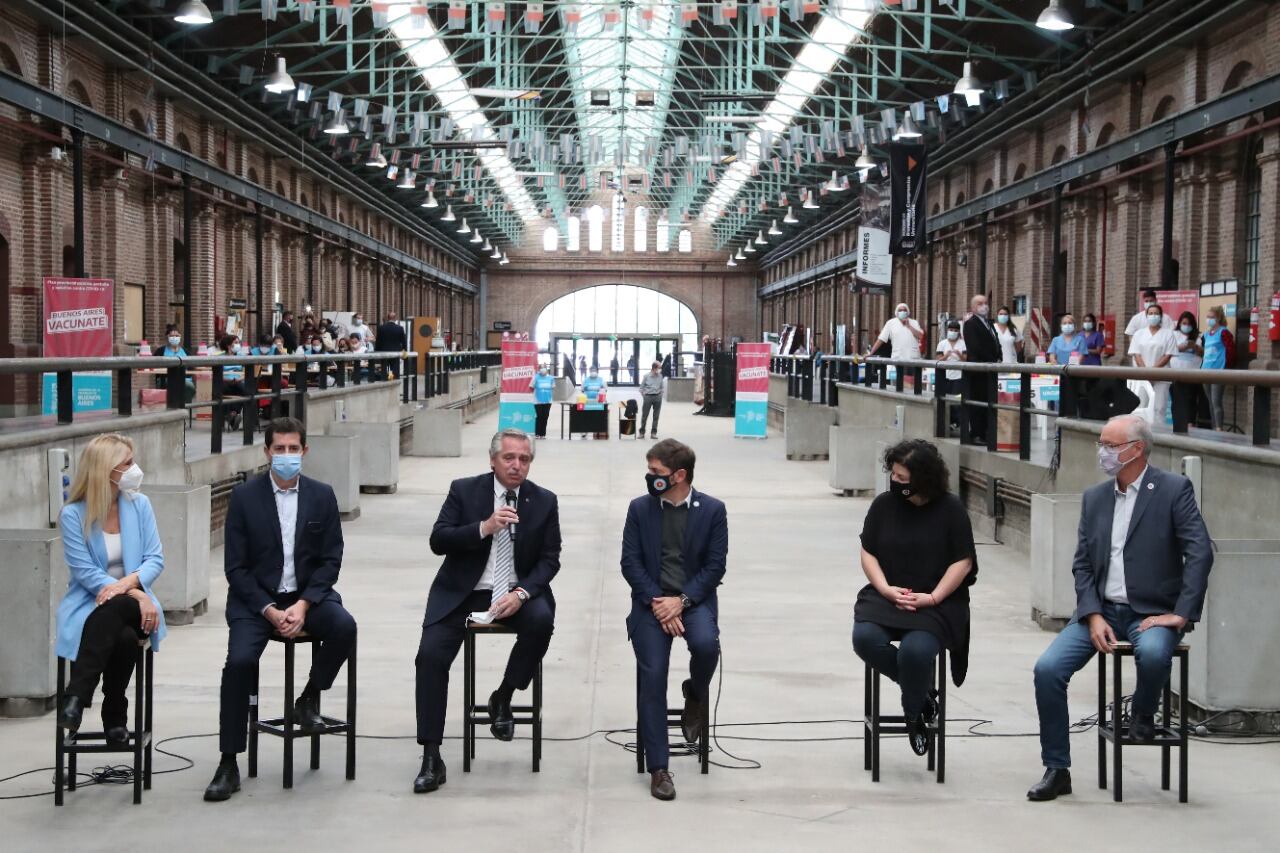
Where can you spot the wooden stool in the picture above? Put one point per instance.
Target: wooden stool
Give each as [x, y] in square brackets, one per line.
[475, 713]
[874, 722]
[1112, 728]
[284, 727]
[67, 747]
[702, 747]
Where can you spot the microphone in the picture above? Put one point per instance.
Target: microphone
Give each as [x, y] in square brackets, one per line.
[510, 498]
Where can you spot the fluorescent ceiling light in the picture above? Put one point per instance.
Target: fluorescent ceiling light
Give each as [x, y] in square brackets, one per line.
[1055, 18]
[194, 13]
[423, 45]
[279, 82]
[843, 22]
[505, 94]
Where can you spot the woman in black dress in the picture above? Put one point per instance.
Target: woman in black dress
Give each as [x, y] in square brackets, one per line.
[918, 554]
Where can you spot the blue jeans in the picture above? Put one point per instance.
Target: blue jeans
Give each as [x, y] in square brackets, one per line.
[1068, 654]
[910, 663]
[653, 656]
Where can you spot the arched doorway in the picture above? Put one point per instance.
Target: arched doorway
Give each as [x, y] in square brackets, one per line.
[623, 323]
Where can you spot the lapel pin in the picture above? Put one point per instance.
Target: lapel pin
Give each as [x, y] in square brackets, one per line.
[695, 503]
[1150, 486]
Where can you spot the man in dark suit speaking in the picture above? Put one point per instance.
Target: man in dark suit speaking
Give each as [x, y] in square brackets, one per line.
[390, 337]
[499, 535]
[674, 547]
[282, 554]
[1141, 569]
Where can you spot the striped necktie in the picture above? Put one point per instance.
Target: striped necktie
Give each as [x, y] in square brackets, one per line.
[503, 564]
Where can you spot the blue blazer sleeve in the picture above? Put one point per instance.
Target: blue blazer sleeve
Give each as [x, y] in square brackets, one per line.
[1087, 599]
[84, 570]
[452, 533]
[149, 536]
[708, 575]
[235, 557]
[548, 565]
[325, 575]
[1197, 553]
[644, 587]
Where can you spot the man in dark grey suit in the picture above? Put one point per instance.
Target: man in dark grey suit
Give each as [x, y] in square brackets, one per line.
[1141, 569]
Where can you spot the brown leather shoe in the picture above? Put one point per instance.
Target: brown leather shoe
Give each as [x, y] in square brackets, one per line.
[661, 785]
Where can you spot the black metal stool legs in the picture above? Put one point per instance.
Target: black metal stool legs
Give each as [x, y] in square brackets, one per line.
[475, 713]
[876, 724]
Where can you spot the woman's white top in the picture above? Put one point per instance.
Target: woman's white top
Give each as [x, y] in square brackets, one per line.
[1008, 352]
[115, 555]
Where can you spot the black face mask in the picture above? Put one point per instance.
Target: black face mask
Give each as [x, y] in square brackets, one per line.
[902, 490]
[658, 484]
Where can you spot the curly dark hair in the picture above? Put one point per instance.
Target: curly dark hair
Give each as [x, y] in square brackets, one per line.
[929, 475]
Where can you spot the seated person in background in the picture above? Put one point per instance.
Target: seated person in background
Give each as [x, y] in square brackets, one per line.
[266, 346]
[113, 556]
[920, 560]
[282, 556]
[173, 344]
[1141, 570]
[232, 379]
[593, 384]
[358, 346]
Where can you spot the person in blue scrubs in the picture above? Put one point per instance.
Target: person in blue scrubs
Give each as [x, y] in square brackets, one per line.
[543, 385]
[1070, 341]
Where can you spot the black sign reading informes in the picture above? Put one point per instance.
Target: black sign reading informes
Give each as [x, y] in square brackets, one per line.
[237, 304]
[907, 203]
[502, 325]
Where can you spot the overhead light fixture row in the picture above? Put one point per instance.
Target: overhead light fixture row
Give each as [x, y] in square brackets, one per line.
[279, 81]
[193, 13]
[790, 218]
[1055, 18]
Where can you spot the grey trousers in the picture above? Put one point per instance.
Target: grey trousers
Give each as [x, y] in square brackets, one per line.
[652, 402]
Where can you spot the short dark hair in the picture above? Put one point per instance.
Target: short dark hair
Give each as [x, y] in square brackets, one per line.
[929, 475]
[673, 455]
[285, 426]
[226, 342]
[1150, 291]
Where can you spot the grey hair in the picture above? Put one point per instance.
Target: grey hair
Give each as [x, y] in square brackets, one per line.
[1138, 430]
[495, 446]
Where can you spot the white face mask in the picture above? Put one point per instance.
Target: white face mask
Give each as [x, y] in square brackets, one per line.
[982, 310]
[174, 341]
[1154, 320]
[235, 349]
[953, 336]
[903, 315]
[131, 480]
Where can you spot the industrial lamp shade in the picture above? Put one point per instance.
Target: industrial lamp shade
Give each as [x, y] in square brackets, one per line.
[431, 200]
[732, 262]
[193, 12]
[497, 254]
[407, 181]
[464, 228]
[774, 230]
[760, 240]
[969, 85]
[908, 129]
[279, 81]
[1054, 17]
[476, 238]
[790, 218]
[448, 214]
[505, 260]
[864, 160]
[337, 125]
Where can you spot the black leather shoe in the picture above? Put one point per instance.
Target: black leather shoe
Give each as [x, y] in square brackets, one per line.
[1056, 783]
[431, 776]
[918, 734]
[117, 735]
[226, 781]
[501, 722]
[70, 713]
[306, 715]
[693, 715]
[1143, 728]
[661, 785]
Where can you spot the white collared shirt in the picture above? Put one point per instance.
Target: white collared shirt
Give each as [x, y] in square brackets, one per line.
[499, 501]
[1115, 590]
[686, 503]
[287, 510]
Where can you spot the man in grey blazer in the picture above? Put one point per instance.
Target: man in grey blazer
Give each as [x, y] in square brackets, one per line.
[1141, 570]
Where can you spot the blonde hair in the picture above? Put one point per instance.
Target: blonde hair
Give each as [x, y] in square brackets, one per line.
[92, 483]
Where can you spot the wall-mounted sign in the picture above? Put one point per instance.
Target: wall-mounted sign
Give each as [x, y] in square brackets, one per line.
[502, 325]
[237, 304]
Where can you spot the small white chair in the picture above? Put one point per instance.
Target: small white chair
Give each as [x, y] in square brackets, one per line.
[1146, 396]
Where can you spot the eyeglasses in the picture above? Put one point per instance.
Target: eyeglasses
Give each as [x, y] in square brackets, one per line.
[1102, 444]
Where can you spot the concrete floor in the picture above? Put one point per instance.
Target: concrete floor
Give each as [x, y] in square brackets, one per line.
[786, 610]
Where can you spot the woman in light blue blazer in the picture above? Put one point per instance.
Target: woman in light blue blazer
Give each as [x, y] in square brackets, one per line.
[113, 555]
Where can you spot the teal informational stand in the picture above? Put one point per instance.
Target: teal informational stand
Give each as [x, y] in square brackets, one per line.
[516, 415]
[751, 419]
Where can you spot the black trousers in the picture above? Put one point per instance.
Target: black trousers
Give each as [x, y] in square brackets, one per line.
[533, 622]
[108, 649]
[977, 392]
[541, 411]
[247, 637]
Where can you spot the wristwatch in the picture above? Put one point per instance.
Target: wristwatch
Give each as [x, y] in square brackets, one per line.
[685, 601]
[521, 594]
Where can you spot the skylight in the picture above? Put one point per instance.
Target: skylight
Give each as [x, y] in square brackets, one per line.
[420, 41]
[842, 23]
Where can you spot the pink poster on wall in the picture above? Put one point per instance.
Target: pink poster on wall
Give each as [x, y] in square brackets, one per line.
[77, 317]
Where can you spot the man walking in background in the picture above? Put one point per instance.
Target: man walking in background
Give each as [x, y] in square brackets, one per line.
[651, 395]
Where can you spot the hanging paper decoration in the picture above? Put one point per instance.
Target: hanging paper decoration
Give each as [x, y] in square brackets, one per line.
[648, 11]
[768, 8]
[797, 9]
[572, 14]
[612, 15]
[688, 13]
[457, 14]
[724, 12]
[495, 17]
[418, 15]
[342, 10]
[533, 17]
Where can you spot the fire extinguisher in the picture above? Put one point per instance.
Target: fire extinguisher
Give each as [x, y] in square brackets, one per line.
[1253, 331]
[1275, 317]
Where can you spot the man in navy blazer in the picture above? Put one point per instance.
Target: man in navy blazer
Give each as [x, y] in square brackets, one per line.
[674, 547]
[282, 553]
[1141, 570]
[499, 534]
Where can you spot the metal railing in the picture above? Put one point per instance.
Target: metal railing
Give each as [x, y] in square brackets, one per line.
[338, 370]
[441, 364]
[978, 388]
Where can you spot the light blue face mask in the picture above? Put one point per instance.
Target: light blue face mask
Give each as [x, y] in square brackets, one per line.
[1068, 328]
[286, 466]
